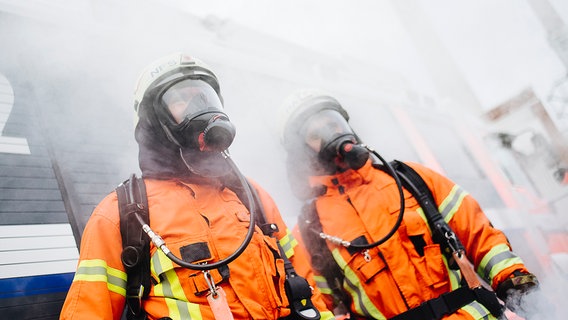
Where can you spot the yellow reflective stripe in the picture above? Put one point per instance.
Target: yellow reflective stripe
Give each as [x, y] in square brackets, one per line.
[170, 288]
[327, 315]
[452, 202]
[363, 304]
[477, 311]
[453, 275]
[322, 285]
[420, 212]
[318, 279]
[496, 260]
[325, 290]
[288, 243]
[97, 270]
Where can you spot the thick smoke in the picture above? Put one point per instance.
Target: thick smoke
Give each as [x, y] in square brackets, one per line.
[92, 51]
[546, 303]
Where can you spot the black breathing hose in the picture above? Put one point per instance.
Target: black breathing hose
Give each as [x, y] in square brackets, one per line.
[160, 243]
[392, 172]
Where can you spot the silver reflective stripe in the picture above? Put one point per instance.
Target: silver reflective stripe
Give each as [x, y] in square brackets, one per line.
[170, 288]
[110, 278]
[355, 292]
[477, 311]
[322, 284]
[288, 243]
[97, 270]
[452, 202]
[497, 262]
[351, 284]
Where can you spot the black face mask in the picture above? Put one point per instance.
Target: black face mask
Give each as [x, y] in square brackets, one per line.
[339, 149]
[345, 152]
[191, 114]
[202, 140]
[208, 131]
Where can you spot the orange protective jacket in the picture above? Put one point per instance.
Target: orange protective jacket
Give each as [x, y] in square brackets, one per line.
[184, 215]
[396, 276]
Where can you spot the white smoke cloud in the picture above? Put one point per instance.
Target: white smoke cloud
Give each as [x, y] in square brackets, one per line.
[107, 43]
[547, 303]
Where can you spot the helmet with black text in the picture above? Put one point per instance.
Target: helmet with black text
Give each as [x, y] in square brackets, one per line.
[317, 136]
[179, 95]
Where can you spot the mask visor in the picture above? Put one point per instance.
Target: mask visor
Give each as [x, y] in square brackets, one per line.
[324, 127]
[188, 98]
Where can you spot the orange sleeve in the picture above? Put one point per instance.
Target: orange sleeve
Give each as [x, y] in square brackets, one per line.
[96, 291]
[470, 224]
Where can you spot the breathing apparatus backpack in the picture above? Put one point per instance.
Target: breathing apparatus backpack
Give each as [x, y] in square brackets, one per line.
[132, 201]
[442, 234]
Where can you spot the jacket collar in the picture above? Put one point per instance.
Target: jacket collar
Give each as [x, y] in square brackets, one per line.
[346, 179]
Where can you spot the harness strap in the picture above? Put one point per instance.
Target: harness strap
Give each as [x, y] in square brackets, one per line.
[437, 308]
[135, 255]
[444, 235]
[297, 288]
[414, 183]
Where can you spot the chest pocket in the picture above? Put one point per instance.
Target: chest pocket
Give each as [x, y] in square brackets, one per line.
[168, 276]
[274, 268]
[431, 264]
[168, 280]
[198, 253]
[416, 227]
[367, 269]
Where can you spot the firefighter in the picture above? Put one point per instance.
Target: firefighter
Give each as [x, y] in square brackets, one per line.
[374, 254]
[197, 212]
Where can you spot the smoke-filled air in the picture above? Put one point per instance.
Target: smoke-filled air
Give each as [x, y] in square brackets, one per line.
[474, 90]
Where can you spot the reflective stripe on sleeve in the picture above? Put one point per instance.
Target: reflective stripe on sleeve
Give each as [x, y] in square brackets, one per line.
[97, 270]
[170, 289]
[352, 285]
[496, 260]
[322, 285]
[288, 243]
[452, 202]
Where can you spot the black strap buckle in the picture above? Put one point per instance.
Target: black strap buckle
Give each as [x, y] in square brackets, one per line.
[134, 303]
[438, 307]
[269, 228]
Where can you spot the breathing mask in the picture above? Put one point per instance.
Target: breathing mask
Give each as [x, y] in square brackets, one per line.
[191, 114]
[328, 133]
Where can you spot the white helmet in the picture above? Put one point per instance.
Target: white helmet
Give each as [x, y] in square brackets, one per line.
[170, 69]
[298, 107]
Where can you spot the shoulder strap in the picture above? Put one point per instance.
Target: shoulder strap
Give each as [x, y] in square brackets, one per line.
[441, 231]
[132, 202]
[444, 235]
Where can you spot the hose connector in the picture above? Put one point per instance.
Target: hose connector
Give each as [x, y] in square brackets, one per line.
[156, 239]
